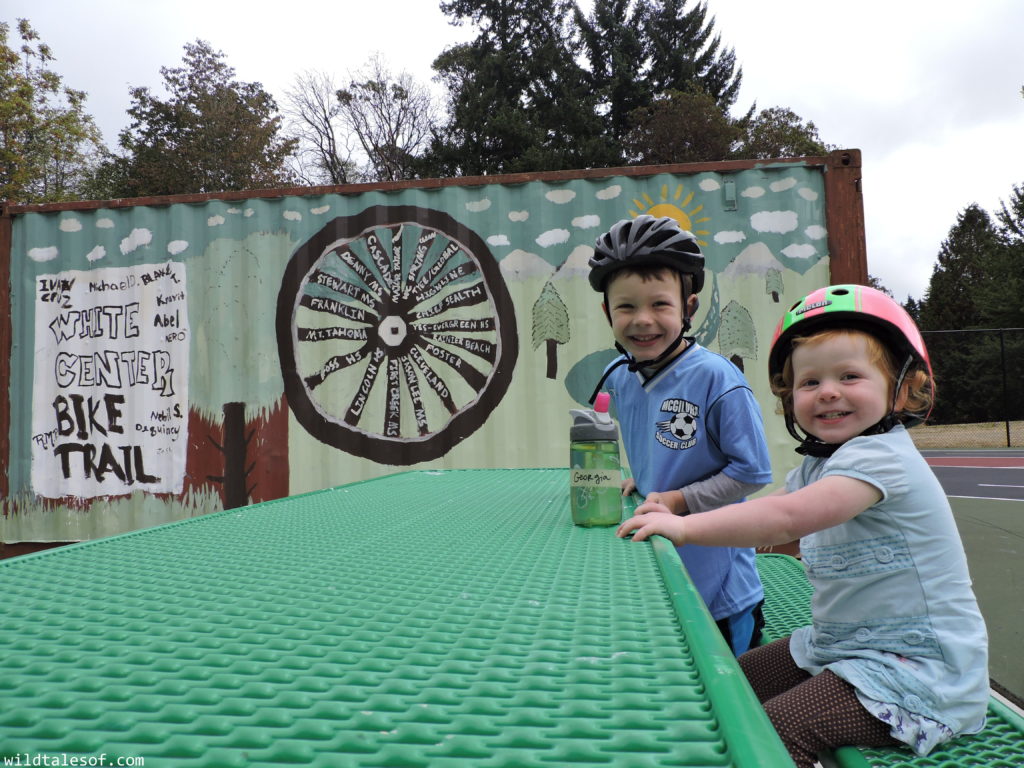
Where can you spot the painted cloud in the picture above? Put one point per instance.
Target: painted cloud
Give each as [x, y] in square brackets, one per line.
[586, 222]
[552, 237]
[136, 239]
[800, 251]
[774, 221]
[730, 237]
[560, 196]
[43, 254]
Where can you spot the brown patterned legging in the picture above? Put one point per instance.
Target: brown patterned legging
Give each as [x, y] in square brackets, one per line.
[810, 713]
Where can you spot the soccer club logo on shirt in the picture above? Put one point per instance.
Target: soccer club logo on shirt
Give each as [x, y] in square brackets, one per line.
[679, 431]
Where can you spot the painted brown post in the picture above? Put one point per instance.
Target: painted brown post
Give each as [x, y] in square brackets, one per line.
[844, 217]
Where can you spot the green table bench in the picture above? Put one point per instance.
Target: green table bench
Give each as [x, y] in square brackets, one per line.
[999, 745]
[431, 618]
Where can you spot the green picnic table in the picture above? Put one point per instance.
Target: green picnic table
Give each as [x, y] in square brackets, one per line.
[426, 618]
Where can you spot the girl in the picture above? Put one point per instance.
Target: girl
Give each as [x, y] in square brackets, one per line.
[897, 652]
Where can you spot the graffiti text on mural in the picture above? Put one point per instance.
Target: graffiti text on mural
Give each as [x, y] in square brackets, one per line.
[93, 420]
[110, 394]
[110, 368]
[117, 321]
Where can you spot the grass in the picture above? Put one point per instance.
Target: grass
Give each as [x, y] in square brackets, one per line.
[982, 435]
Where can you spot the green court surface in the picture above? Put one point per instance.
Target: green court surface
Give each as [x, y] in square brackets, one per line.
[992, 531]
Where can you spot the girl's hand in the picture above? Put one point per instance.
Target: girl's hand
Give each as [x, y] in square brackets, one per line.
[628, 486]
[663, 523]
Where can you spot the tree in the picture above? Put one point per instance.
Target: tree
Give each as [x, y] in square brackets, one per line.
[641, 55]
[963, 368]
[550, 325]
[612, 39]
[323, 155]
[950, 301]
[680, 128]
[47, 141]
[913, 307]
[393, 119]
[234, 384]
[519, 101]
[778, 132]
[1011, 216]
[737, 338]
[212, 134]
[684, 54]
[875, 283]
[1000, 294]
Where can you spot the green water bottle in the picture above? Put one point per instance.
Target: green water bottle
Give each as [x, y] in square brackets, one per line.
[595, 476]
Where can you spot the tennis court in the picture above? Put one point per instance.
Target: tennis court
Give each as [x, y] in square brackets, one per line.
[986, 491]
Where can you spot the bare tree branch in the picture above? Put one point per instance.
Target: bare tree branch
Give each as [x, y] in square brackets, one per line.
[391, 116]
[324, 155]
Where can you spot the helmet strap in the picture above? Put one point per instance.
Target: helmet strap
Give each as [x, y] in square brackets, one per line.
[635, 365]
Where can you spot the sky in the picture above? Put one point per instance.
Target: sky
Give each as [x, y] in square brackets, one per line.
[930, 94]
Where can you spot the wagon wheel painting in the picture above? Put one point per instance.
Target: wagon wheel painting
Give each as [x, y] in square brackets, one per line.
[396, 333]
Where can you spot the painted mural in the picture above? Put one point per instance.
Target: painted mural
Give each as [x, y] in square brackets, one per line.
[109, 387]
[173, 360]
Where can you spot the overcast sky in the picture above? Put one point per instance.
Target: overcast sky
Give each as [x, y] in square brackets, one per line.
[931, 95]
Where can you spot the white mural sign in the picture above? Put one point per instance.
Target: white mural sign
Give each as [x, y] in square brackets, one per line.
[110, 383]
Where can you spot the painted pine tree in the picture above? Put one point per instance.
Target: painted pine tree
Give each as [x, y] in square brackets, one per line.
[550, 325]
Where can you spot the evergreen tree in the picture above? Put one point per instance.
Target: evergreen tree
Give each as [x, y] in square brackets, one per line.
[212, 134]
[1001, 292]
[684, 54]
[913, 307]
[613, 43]
[963, 363]
[519, 101]
[1011, 216]
[950, 301]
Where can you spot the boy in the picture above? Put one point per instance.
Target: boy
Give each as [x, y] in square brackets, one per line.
[691, 427]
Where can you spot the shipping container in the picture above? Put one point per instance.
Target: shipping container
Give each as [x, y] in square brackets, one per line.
[169, 357]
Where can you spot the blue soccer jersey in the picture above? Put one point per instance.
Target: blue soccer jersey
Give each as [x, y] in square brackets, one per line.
[694, 418]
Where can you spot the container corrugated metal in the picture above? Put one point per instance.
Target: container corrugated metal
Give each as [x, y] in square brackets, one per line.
[172, 357]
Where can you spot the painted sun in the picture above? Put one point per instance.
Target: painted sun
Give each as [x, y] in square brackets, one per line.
[680, 206]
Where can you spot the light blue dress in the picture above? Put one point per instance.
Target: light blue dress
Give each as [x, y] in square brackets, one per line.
[893, 609]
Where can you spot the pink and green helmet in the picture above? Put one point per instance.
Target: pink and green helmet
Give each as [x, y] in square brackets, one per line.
[855, 307]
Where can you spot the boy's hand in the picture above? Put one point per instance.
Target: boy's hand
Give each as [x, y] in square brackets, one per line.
[628, 486]
[663, 501]
[647, 524]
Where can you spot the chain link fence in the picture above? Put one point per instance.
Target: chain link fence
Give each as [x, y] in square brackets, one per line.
[979, 376]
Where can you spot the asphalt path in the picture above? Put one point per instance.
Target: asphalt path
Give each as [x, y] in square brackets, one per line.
[979, 474]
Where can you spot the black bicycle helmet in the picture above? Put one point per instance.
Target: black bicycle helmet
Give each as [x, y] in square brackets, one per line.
[646, 241]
